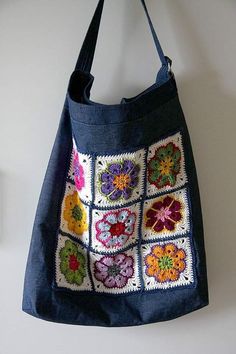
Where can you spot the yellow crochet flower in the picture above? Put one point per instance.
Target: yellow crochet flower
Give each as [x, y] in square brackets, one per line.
[166, 166]
[75, 215]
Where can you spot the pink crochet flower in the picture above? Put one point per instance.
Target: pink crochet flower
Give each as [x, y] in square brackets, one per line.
[114, 271]
[78, 171]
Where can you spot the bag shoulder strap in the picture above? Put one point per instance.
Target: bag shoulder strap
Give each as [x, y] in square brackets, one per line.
[85, 59]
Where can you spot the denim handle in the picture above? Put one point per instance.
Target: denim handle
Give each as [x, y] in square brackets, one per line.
[86, 55]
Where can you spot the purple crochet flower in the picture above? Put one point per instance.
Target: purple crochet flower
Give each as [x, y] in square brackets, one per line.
[119, 180]
[114, 271]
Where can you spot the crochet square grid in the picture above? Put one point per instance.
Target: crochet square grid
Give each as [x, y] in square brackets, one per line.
[131, 280]
[80, 233]
[104, 222]
[102, 166]
[181, 177]
[181, 227]
[61, 278]
[85, 163]
[139, 243]
[186, 276]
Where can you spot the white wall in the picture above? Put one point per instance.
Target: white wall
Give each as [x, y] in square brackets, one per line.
[39, 43]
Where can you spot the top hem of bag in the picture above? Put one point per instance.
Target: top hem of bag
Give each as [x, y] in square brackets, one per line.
[133, 108]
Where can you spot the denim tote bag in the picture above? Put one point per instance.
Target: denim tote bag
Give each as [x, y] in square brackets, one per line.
[118, 233]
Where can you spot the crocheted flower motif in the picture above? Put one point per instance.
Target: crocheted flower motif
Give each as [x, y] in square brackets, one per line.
[114, 271]
[119, 180]
[164, 214]
[72, 263]
[78, 171]
[75, 215]
[164, 166]
[165, 263]
[115, 228]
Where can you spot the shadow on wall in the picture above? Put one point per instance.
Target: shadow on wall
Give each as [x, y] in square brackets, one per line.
[210, 113]
[1, 205]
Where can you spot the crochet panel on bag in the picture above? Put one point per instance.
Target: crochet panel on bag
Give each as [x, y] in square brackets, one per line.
[125, 222]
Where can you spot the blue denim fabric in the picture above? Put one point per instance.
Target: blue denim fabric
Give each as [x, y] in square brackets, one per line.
[102, 129]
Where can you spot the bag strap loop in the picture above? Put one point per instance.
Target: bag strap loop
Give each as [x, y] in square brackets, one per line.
[85, 59]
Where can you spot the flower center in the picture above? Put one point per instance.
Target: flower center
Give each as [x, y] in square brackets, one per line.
[113, 270]
[165, 165]
[73, 263]
[163, 214]
[165, 263]
[77, 213]
[76, 170]
[122, 181]
[117, 229]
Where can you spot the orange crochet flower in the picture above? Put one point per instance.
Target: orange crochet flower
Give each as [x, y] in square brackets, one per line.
[165, 263]
[75, 215]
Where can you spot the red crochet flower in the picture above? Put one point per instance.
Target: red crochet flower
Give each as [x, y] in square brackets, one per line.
[164, 214]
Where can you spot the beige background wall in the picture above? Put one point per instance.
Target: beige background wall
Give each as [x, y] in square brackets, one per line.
[39, 43]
